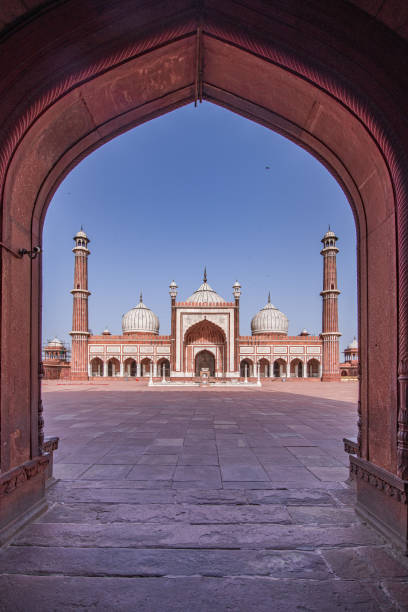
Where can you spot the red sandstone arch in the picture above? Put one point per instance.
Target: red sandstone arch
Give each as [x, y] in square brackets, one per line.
[246, 367]
[296, 368]
[264, 366]
[204, 332]
[113, 366]
[339, 96]
[280, 367]
[130, 367]
[163, 362]
[96, 366]
[313, 368]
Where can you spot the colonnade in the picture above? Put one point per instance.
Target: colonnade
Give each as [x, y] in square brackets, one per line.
[284, 368]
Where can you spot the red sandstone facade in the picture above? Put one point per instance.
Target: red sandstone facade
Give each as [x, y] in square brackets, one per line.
[205, 334]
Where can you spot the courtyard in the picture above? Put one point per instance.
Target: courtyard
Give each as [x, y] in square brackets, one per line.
[199, 500]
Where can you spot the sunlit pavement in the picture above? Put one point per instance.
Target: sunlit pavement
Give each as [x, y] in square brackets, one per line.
[200, 500]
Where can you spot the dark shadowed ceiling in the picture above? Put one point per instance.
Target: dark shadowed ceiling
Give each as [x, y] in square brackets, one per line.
[392, 13]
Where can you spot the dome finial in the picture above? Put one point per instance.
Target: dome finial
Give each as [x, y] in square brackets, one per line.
[269, 297]
[205, 274]
[141, 297]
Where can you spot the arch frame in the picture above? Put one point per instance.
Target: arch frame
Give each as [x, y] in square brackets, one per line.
[252, 57]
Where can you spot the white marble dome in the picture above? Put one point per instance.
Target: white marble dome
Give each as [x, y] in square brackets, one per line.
[205, 294]
[353, 344]
[56, 343]
[140, 319]
[269, 320]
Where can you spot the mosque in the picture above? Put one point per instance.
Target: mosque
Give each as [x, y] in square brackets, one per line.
[204, 335]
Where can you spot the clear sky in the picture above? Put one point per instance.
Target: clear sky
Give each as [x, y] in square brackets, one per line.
[199, 186]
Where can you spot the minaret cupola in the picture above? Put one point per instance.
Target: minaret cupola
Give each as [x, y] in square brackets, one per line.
[81, 240]
[236, 287]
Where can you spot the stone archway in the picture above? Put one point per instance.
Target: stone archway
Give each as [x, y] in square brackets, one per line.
[249, 61]
[246, 368]
[130, 367]
[204, 359]
[96, 366]
[208, 335]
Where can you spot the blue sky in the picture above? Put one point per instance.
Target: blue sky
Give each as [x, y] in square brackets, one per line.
[190, 189]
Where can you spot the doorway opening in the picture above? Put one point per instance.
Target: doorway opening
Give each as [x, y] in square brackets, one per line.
[205, 360]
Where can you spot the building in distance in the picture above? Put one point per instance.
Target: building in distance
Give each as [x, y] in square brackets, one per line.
[204, 335]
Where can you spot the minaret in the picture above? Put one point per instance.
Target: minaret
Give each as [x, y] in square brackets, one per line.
[80, 332]
[236, 287]
[173, 294]
[330, 318]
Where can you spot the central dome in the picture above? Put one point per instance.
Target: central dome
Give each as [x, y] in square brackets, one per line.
[140, 319]
[205, 294]
[269, 320]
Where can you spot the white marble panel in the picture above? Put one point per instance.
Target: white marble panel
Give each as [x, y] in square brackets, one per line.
[313, 349]
[246, 350]
[113, 349]
[280, 349]
[163, 350]
[296, 350]
[130, 349]
[264, 350]
[146, 350]
[95, 348]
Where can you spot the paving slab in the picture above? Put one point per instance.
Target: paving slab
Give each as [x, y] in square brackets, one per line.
[201, 500]
[194, 594]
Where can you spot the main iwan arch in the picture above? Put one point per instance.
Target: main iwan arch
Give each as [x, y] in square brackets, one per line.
[75, 76]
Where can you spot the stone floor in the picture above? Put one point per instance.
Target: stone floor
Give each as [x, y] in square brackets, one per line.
[201, 500]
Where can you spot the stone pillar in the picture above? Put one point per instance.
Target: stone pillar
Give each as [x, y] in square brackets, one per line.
[105, 368]
[330, 317]
[121, 371]
[154, 369]
[138, 369]
[288, 368]
[305, 369]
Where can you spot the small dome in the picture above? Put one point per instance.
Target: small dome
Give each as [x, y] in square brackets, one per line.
[269, 320]
[304, 332]
[81, 234]
[329, 234]
[353, 344]
[56, 343]
[205, 294]
[140, 319]
[106, 332]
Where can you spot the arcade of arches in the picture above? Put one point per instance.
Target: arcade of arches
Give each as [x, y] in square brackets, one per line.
[338, 91]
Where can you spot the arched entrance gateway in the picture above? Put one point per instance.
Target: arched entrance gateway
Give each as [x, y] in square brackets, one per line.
[340, 96]
[204, 359]
[204, 347]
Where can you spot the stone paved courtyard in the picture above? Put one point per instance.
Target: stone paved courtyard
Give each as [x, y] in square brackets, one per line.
[201, 500]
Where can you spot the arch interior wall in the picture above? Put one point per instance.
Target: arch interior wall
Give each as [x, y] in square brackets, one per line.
[251, 63]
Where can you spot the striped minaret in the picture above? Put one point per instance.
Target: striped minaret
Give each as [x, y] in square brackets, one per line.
[330, 318]
[80, 332]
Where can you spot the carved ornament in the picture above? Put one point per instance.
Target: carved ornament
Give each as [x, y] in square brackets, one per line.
[18, 476]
